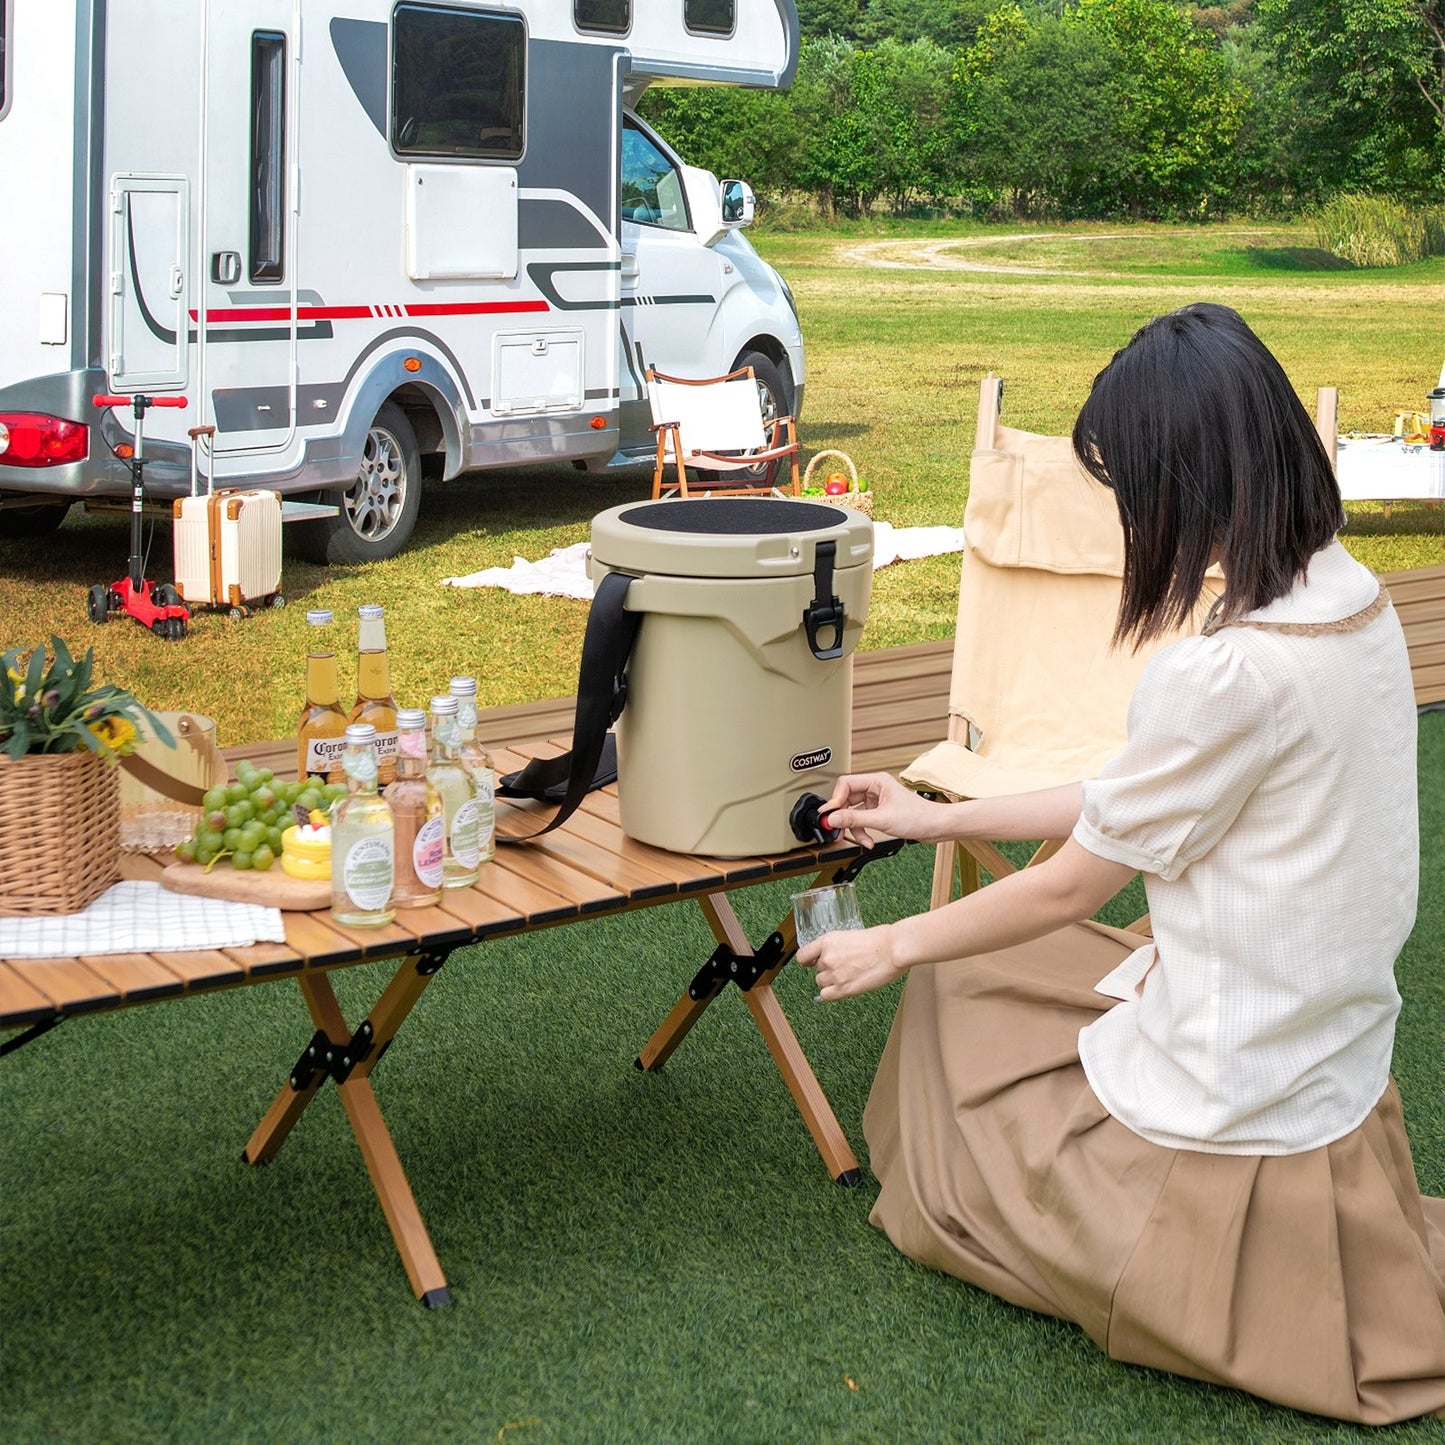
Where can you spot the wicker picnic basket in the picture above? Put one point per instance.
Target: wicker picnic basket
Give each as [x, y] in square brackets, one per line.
[60, 839]
[859, 501]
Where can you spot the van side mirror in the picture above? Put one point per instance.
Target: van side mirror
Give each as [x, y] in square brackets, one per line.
[737, 203]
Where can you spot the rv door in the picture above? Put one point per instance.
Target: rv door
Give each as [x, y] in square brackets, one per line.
[149, 251]
[671, 282]
[248, 329]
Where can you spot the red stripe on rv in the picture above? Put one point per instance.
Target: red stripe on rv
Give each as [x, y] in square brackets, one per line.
[475, 308]
[283, 313]
[365, 313]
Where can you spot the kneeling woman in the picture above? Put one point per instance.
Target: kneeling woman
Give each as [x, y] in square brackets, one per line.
[1197, 1153]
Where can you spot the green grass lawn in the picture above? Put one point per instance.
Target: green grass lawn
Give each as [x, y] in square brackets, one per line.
[633, 1258]
[895, 357]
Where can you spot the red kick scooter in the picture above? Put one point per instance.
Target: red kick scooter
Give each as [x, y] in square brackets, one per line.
[159, 608]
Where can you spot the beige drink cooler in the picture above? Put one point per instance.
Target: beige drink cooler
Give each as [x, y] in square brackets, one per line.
[739, 685]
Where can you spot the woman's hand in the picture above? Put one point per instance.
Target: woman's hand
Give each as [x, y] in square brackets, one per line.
[852, 961]
[878, 801]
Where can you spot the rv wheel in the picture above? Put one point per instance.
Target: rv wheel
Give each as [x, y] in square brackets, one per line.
[776, 398]
[376, 514]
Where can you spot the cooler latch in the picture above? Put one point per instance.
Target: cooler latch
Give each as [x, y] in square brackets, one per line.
[826, 609]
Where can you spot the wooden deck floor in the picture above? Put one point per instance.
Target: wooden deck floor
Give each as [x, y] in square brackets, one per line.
[900, 708]
[900, 694]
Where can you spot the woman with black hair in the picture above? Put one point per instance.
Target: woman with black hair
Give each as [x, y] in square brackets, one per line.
[1200, 1157]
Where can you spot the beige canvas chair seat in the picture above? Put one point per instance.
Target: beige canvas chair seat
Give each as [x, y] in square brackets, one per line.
[1037, 695]
[716, 424]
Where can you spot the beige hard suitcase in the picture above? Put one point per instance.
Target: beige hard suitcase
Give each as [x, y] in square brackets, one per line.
[228, 550]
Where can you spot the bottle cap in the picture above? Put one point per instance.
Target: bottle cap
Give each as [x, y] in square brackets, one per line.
[410, 717]
[444, 706]
[359, 734]
[318, 617]
[464, 687]
[370, 611]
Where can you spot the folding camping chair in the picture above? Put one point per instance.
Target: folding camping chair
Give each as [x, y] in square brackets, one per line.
[716, 424]
[1037, 696]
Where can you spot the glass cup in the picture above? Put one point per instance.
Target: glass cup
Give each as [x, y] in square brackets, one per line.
[825, 910]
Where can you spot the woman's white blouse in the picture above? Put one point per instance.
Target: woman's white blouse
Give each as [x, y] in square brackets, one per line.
[1267, 792]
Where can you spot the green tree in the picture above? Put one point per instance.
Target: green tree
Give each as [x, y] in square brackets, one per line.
[1365, 86]
[1179, 106]
[1041, 113]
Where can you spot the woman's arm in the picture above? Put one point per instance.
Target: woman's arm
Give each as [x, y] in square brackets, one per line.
[1071, 885]
[880, 803]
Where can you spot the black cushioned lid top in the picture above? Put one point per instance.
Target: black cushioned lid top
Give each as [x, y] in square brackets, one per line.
[734, 516]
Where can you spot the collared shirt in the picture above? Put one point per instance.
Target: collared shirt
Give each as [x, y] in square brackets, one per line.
[1267, 792]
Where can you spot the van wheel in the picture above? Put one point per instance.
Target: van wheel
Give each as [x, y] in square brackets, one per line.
[774, 393]
[776, 397]
[376, 514]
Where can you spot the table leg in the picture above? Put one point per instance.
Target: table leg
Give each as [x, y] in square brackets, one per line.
[772, 1023]
[388, 1177]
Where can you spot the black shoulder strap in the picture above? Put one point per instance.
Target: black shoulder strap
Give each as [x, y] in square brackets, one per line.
[601, 696]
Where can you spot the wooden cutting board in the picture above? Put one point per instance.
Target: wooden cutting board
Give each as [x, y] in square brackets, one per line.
[272, 889]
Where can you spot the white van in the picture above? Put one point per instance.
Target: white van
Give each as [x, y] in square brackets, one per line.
[355, 232]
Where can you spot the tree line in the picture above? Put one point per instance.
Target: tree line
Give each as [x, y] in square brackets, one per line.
[1086, 108]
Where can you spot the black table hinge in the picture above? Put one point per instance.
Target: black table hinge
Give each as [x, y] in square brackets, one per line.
[725, 967]
[336, 1061]
[430, 960]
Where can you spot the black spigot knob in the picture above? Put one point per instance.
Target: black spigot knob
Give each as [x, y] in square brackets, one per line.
[807, 823]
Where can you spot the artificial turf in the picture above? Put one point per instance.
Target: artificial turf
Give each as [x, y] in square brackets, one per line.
[632, 1257]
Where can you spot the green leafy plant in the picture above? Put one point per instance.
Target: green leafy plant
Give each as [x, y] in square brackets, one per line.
[48, 704]
[1370, 230]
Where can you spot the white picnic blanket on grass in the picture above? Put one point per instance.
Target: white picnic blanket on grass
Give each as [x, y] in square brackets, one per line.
[564, 573]
[136, 917]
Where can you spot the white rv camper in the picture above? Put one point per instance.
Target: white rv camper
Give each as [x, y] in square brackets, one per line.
[353, 232]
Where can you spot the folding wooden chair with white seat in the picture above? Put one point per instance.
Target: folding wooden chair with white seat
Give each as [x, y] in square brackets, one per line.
[716, 424]
[1037, 695]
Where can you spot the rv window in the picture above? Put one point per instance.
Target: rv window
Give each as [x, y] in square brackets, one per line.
[268, 156]
[613, 17]
[457, 83]
[652, 193]
[711, 17]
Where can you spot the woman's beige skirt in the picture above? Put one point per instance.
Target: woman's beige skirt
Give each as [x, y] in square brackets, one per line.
[1316, 1280]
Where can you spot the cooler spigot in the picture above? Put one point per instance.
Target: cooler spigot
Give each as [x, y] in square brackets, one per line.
[806, 822]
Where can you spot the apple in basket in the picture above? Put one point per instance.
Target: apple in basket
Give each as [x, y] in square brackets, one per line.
[836, 485]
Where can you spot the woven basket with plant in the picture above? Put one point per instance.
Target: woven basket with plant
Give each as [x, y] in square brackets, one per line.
[839, 485]
[61, 736]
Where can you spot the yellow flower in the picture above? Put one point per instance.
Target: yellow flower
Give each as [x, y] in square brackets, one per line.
[117, 733]
[18, 678]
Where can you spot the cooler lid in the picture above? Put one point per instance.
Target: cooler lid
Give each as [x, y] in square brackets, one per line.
[728, 537]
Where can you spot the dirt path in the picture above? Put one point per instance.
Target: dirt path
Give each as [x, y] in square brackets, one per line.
[934, 255]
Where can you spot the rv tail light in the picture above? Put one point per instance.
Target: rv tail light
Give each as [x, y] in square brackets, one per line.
[30, 439]
[598, 423]
[412, 363]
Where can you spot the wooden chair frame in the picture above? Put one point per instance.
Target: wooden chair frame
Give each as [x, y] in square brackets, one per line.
[781, 444]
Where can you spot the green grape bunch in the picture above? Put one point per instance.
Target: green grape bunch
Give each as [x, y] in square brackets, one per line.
[242, 822]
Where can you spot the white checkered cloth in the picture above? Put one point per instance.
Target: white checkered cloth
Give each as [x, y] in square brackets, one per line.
[135, 917]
